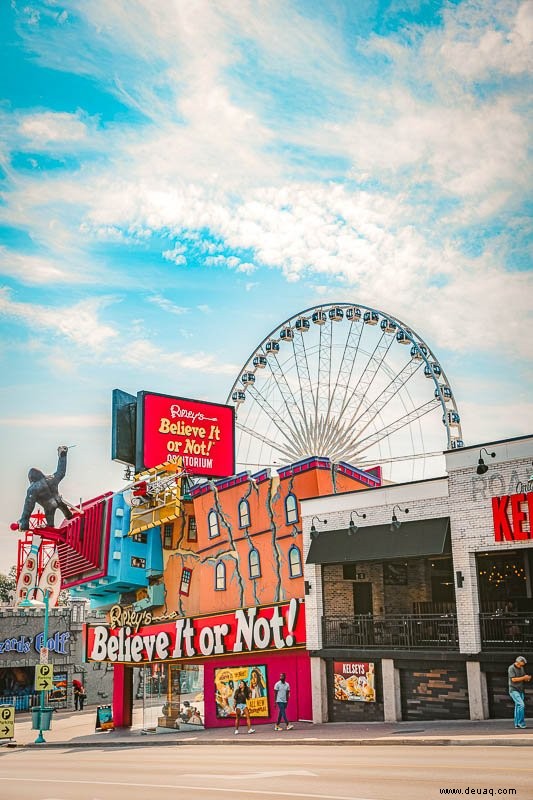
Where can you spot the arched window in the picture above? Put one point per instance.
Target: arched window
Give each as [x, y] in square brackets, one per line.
[295, 562]
[220, 577]
[254, 563]
[291, 508]
[212, 524]
[244, 514]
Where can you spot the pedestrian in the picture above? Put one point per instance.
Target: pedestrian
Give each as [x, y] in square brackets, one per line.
[517, 678]
[282, 693]
[79, 694]
[241, 709]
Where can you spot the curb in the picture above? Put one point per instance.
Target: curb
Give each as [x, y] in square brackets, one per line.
[254, 742]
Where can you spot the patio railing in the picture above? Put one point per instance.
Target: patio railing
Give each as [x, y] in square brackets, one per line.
[501, 631]
[392, 632]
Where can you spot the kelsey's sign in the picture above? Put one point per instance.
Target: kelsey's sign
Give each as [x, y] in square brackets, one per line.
[512, 516]
[200, 434]
[247, 630]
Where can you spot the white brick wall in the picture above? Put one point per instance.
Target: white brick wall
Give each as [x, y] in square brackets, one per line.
[463, 496]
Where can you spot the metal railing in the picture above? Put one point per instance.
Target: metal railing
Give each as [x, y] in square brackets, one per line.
[501, 631]
[392, 632]
[22, 702]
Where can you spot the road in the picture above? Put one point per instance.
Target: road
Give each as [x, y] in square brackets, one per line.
[246, 771]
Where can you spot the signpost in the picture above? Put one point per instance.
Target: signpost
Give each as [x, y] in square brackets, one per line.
[44, 677]
[7, 722]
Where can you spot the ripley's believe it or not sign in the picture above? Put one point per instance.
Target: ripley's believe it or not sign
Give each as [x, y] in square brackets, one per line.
[246, 630]
[200, 434]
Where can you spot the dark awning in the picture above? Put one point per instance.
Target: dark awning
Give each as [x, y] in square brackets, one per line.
[428, 537]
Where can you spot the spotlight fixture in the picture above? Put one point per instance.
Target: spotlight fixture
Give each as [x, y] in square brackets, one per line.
[481, 466]
[352, 527]
[314, 532]
[395, 522]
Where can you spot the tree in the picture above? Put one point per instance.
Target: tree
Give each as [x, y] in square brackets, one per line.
[8, 585]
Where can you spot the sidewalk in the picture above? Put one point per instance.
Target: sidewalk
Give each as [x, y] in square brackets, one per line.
[77, 729]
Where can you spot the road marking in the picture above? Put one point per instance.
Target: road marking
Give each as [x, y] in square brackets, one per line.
[154, 787]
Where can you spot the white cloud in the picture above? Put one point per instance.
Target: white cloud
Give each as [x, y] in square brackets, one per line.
[53, 126]
[35, 269]
[167, 305]
[79, 323]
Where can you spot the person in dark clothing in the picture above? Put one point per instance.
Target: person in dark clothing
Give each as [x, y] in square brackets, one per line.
[79, 694]
[43, 489]
[241, 709]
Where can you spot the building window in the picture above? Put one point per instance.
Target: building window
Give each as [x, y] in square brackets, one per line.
[138, 562]
[141, 538]
[244, 514]
[295, 562]
[192, 535]
[254, 564]
[168, 530]
[185, 584]
[212, 524]
[291, 508]
[220, 577]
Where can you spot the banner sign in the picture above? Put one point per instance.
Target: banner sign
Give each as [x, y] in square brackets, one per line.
[172, 428]
[354, 681]
[247, 630]
[227, 682]
[512, 516]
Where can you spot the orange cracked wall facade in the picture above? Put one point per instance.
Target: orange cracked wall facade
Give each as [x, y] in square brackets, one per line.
[238, 541]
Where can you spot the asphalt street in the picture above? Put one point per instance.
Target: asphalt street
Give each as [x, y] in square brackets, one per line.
[262, 773]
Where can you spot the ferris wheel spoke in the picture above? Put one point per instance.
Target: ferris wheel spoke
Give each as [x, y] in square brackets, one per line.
[324, 369]
[276, 419]
[370, 371]
[347, 365]
[401, 422]
[304, 378]
[253, 434]
[287, 395]
[376, 406]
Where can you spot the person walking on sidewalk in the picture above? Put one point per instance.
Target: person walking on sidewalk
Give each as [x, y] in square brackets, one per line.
[282, 693]
[517, 678]
[241, 709]
[79, 694]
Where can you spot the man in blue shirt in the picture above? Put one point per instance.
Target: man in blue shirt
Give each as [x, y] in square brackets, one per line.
[282, 693]
[517, 678]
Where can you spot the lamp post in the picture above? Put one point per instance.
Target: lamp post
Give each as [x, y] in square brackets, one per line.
[26, 603]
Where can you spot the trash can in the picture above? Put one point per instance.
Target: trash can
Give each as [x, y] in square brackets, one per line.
[41, 718]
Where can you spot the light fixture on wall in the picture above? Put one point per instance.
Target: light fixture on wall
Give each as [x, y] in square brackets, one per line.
[314, 532]
[352, 527]
[395, 522]
[481, 466]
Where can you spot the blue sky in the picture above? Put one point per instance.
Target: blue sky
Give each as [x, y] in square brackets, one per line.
[178, 178]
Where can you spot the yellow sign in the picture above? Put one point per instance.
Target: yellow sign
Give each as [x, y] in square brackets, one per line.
[44, 677]
[7, 722]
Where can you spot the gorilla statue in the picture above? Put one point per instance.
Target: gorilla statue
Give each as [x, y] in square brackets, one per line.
[43, 489]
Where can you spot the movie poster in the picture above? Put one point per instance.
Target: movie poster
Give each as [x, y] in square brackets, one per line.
[226, 683]
[354, 681]
[58, 695]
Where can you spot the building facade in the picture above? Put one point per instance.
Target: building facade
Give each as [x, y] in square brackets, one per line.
[227, 599]
[415, 610]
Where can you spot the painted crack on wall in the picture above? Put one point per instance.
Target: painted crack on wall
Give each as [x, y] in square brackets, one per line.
[227, 524]
[271, 498]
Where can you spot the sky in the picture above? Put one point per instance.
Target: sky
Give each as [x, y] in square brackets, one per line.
[176, 179]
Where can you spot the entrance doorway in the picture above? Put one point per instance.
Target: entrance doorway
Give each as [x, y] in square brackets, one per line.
[170, 697]
[362, 598]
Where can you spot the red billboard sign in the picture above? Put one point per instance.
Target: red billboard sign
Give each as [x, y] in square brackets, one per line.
[512, 516]
[257, 629]
[173, 428]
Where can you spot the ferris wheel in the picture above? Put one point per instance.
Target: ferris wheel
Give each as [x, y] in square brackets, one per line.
[349, 382]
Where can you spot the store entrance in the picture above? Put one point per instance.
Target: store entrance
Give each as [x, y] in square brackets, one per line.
[169, 697]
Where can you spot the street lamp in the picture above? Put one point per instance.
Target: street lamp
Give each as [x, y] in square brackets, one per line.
[26, 603]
